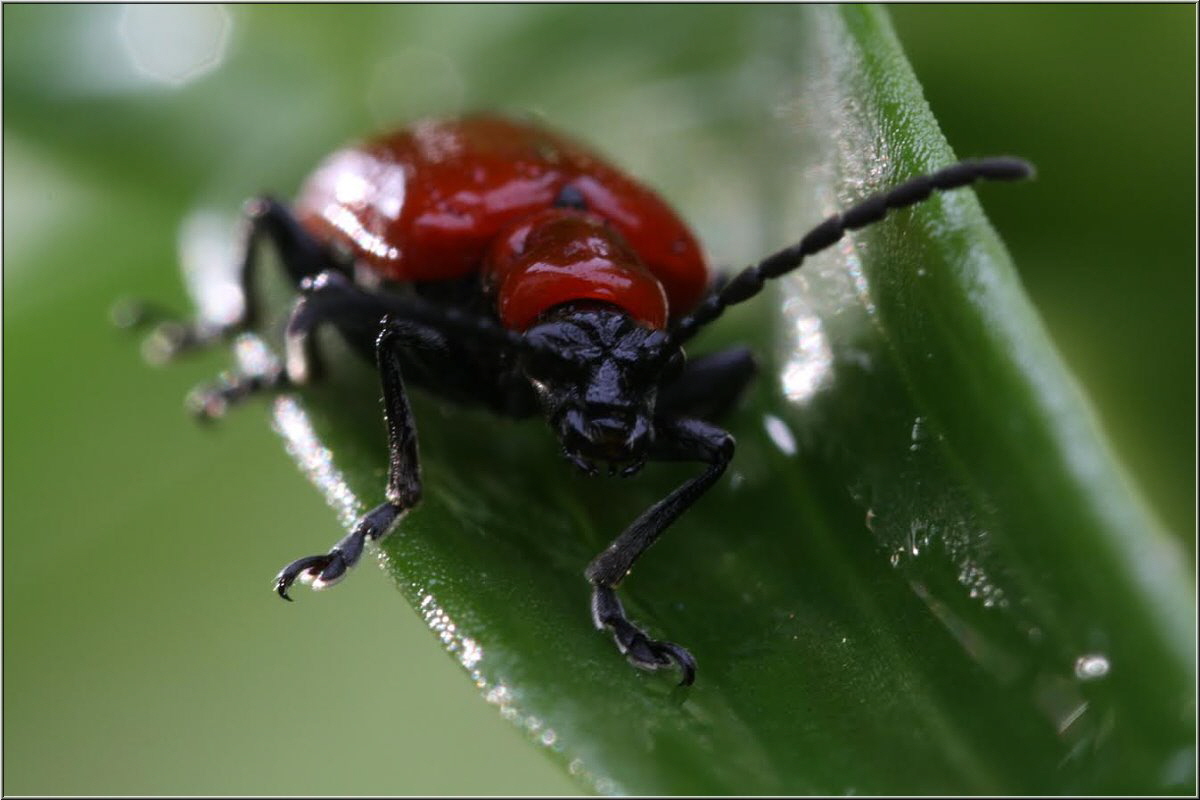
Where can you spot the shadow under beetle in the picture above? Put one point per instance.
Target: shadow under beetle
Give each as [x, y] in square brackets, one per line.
[492, 262]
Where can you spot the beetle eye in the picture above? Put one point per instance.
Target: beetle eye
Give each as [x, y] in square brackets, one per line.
[547, 363]
[544, 362]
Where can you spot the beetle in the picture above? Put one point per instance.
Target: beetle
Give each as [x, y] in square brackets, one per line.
[494, 262]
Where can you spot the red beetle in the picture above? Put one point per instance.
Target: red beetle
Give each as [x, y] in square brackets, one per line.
[495, 263]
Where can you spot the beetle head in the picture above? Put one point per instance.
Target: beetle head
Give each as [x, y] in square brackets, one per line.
[596, 372]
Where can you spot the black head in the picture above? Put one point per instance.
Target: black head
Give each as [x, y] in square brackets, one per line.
[597, 373]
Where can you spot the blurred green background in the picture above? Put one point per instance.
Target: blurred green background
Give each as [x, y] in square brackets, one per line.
[143, 651]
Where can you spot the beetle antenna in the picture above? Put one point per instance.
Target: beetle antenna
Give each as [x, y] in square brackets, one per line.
[750, 281]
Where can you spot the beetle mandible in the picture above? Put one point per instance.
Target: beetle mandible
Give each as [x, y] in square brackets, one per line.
[491, 261]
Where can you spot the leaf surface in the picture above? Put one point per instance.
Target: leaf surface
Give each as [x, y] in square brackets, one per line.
[924, 572]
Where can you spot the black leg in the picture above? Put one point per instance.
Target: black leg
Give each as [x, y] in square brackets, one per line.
[265, 218]
[328, 297]
[331, 297]
[404, 477]
[709, 386]
[677, 440]
[211, 401]
[334, 296]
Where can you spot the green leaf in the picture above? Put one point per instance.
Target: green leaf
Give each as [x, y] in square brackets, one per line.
[138, 549]
[924, 572]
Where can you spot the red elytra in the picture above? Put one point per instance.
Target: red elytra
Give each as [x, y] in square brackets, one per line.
[445, 199]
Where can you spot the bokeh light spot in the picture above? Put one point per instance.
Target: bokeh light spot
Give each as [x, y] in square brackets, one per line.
[174, 44]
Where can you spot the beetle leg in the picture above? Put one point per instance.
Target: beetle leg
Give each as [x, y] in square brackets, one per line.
[210, 401]
[678, 440]
[404, 475]
[709, 385]
[328, 297]
[265, 218]
[331, 297]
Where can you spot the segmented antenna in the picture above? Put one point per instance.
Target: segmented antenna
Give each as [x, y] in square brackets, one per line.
[750, 281]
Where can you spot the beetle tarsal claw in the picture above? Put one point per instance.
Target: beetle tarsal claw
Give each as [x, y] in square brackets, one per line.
[651, 654]
[638, 648]
[331, 574]
[206, 403]
[317, 572]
